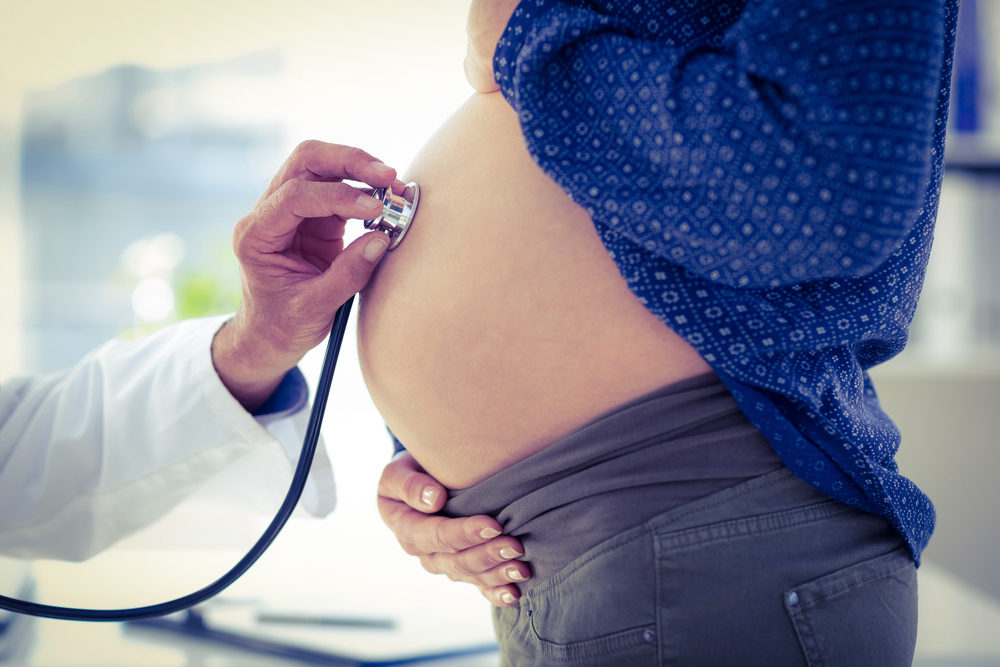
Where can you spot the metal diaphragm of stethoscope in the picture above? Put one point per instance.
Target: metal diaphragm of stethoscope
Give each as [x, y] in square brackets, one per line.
[397, 215]
[397, 212]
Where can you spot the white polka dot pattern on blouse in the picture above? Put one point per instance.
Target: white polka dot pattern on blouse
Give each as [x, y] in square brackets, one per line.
[765, 174]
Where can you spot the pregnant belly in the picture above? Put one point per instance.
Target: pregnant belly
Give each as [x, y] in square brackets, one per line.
[501, 323]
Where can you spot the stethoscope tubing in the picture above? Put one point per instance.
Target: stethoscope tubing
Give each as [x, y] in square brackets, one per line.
[295, 489]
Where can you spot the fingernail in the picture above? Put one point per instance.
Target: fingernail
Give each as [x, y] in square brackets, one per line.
[514, 574]
[429, 496]
[369, 203]
[381, 167]
[507, 598]
[372, 251]
[488, 533]
[509, 552]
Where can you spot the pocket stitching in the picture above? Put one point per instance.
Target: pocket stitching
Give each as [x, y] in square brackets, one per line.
[817, 591]
[813, 593]
[597, 552]
[596, 646]
[771, 522]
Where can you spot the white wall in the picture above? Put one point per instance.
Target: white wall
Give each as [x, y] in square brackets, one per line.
[949, 416]
[10, 234]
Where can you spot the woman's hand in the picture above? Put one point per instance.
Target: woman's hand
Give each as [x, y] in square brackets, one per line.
[487, 21]
[469, 549]
[294, 267]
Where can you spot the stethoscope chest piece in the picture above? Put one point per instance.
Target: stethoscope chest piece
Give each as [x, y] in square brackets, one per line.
[397, 212]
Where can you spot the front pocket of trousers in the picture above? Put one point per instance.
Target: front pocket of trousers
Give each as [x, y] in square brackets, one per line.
[600, 609]
[635, 646]
[864, 614]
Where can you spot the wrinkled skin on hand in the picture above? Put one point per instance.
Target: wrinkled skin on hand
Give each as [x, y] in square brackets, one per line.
[294, 267]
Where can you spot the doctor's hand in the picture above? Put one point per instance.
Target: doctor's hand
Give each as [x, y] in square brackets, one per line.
[295, 270]
[469, 549]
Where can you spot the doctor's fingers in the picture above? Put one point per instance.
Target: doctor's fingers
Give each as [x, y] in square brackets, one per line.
[317, 160]
[276, 218]
[350, 270]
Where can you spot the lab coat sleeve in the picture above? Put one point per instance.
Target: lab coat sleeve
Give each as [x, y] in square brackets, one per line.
[96, 452]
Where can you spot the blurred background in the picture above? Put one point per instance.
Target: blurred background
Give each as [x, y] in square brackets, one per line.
[134, 134]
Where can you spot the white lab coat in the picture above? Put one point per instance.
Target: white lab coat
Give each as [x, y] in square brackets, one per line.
[96, 452]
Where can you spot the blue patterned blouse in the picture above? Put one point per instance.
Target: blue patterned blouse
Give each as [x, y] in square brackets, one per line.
[765, 173]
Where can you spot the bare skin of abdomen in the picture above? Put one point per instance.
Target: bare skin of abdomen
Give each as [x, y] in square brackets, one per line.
[500, 323]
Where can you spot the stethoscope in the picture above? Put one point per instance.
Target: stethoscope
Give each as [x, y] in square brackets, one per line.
[397, 215]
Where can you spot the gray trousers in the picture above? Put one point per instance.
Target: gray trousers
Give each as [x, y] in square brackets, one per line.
[768, 572]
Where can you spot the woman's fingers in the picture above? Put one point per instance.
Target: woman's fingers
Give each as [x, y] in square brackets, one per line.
[404, 480]
[423, 534]
[486, 565]
[470, 549]
[501, 596]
